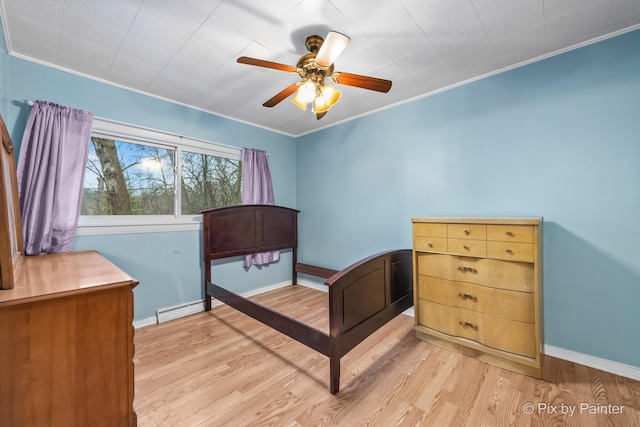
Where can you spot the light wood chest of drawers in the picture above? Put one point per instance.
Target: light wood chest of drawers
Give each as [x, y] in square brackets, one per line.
[477, 288]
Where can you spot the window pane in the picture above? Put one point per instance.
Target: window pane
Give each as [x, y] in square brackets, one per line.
[123, 178]
[209, 182]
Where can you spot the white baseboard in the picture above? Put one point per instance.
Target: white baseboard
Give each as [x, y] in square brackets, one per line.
[319, 286]
[606, 365]
[145, 322]
[409, 312]
[265, 289]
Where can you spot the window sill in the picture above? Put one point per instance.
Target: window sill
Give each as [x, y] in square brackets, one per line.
[98, 228]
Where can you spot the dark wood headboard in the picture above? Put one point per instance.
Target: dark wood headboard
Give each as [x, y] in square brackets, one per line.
[248, 229]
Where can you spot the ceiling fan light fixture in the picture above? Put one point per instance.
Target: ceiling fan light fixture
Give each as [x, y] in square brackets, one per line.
[301, 105]
[320, 105]
[321, 109]
[306, 92]
[331, 95]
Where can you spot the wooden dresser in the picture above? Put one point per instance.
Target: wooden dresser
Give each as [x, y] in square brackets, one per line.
[66, 332]
[66, 343]
[477, 288]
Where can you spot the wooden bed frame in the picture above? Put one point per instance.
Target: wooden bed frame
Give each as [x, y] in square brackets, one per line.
[362, 297]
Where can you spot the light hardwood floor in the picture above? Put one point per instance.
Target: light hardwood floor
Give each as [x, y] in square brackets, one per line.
[222, 368]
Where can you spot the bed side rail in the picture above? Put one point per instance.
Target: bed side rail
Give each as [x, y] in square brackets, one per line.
[299, 331]
[314, 270]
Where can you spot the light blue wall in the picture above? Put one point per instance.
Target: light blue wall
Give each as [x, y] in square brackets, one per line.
[166, 264]
[3, 73]
[559, 138]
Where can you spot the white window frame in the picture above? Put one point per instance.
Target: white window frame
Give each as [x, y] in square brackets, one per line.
[91, 225]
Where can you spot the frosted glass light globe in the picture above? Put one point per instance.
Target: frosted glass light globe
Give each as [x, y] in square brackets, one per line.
[307, 92]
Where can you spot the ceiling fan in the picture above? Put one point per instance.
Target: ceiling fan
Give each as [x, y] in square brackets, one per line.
[314, 68]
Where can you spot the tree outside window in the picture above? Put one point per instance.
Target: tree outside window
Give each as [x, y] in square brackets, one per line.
[131, 178]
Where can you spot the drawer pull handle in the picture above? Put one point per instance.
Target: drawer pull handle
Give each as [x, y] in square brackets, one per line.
[509, 233]
[469, 325]
[466, 247]
[469, 297]
[466, 231]
[430, 244]
[468, 269]
[509, 251]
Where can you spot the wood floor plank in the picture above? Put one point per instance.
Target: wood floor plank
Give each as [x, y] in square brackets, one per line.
[222, 368]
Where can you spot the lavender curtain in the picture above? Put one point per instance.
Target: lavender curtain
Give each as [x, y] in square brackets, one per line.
[51, 166]
[257, 188]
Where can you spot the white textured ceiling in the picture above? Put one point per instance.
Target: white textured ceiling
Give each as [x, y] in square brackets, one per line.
[186, 50]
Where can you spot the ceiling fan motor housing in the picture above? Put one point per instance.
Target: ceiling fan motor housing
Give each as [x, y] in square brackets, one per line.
[308, 68]
[313, 43]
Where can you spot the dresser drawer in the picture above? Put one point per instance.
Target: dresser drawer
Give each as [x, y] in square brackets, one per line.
[436, 244]
[500, 303]
[517, 276]
[510, 233]
[511, 251]
[467, 231]
[467, 247]
[430, 229]
[507, 335]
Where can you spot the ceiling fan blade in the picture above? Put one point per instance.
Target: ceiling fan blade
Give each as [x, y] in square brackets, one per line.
[331, 48]
[320, 115]
[365, 82]
[266, 64]
[282, 95]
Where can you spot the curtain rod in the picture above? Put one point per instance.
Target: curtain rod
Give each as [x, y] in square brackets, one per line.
[30, 103]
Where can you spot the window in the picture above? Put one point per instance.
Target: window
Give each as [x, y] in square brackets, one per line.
[141, 180]
[124, 178]
[209, 181]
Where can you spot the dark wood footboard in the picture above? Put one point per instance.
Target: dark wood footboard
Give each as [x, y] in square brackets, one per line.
[362, 297]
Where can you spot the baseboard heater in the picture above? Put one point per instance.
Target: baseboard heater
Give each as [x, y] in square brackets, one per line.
[182, 310]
